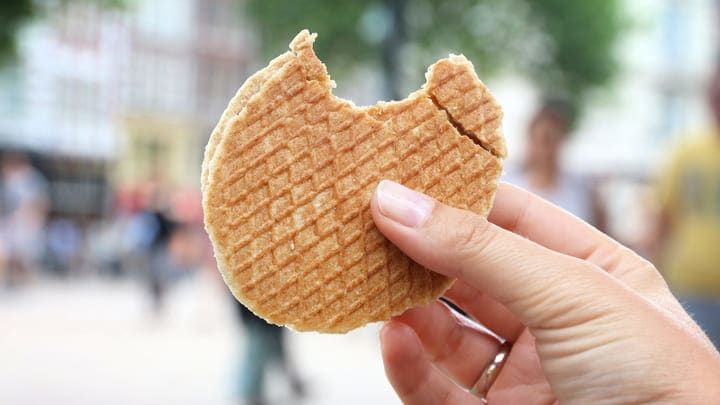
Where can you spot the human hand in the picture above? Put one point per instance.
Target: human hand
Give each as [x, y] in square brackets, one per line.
[590, 321]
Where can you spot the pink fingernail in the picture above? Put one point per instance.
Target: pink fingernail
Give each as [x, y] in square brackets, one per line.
[403, 205]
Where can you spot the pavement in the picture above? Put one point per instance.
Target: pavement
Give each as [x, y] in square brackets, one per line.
[96, 341]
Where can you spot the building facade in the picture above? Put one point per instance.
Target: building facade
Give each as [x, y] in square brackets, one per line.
[666, 59]
[129, 94]
[185, 60]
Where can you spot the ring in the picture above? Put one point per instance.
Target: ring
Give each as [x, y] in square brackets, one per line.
[489, 375]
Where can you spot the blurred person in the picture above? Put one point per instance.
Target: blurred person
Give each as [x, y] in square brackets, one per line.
[151, 231]
[541, 170]
[689, 229]
[264, 347]
[64, 243]
[582, 319]
[147, 229]
[107, 247]
[189, 244]
[24, 202]
[119, 244]
[186, 245]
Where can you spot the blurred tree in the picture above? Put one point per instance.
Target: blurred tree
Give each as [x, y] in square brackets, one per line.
[12, 15]
[565, 46]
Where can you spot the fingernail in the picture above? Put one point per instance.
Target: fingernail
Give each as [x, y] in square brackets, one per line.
[402, 204]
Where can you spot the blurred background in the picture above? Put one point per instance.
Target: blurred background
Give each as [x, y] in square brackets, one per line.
[108, 291]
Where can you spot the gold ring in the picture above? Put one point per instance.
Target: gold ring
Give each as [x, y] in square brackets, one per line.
[489, 375]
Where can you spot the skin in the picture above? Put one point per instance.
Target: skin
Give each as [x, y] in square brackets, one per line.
[590, 321]
[546, 137]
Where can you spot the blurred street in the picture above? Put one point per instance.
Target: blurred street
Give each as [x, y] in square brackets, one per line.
[96, 341]
[109, 289]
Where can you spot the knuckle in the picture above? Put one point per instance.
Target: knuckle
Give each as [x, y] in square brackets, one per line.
[652, 277]
[471, 237]
[640, 272]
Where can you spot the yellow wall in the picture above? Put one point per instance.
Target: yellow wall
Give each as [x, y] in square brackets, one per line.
[156, 148]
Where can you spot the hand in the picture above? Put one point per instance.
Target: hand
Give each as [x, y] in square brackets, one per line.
[590, 321]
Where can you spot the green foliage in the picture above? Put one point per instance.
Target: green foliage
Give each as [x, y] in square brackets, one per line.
[565, 46]
[13, 14]
[338, 22]
[583, 50]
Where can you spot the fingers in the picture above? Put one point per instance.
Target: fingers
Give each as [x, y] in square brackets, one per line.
[485, 310]
[541, 286]
[451, 342]
[526, 214]
[522, 379]
[411, 374]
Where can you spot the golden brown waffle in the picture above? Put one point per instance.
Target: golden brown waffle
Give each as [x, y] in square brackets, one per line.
[289, 172]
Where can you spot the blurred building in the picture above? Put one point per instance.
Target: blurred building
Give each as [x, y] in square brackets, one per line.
[59, 104]
[666, 60]
[666, 55]
[118, 97]
[62, 96]
[660, 95]
[185, 60]
[131, 94]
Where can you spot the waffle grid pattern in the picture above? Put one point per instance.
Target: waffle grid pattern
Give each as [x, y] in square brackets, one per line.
[458, 90]
[291, 184]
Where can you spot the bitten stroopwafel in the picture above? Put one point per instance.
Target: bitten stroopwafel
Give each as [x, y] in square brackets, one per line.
[289, 172]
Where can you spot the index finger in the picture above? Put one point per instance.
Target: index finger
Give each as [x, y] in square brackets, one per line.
[528, 215]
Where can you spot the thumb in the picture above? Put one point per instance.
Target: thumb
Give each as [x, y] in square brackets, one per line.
[542, 287]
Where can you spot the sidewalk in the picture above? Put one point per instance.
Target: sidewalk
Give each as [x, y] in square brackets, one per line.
[95, 341]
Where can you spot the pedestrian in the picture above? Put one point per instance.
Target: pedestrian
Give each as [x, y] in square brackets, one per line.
[24, 205]
[689, 229]
[541, 171]
[264, 346]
